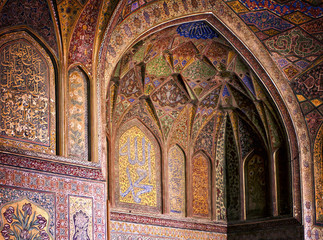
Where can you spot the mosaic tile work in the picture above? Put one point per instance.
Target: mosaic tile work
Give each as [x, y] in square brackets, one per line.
[124, 230]
[78, 114]
[138, 169]
[176, 180]
[80, 218]
[24, 185]
[318, 176]
[27, 98]
[201, 186]
[255, 176]
[36, 205]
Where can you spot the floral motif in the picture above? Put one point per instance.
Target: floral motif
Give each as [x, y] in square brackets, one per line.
[8, 214]
[23, 225]
[81, 223]
[27, 208]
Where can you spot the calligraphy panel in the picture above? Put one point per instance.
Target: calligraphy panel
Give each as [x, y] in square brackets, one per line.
[78, 114]
[27, 95]
[138, 168]
[201, 186]
[176, 180]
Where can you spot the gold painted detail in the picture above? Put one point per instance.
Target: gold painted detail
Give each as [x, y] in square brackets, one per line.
[200, 186]
[137, 169]
[176, 170]
[316, 102]
[24, 94]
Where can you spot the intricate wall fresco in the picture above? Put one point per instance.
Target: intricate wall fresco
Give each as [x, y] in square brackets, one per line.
[23, 13]
[318, 176]
[52, 194]
[27, 102]
[81, 45]
[176, 180]
[201, 186]
[255, 177]
[144, 232]
[26, 220]
[78, 114]
[80, 218]
[137, 158]
[21, 205]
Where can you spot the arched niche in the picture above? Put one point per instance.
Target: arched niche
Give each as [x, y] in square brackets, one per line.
[256, 186]
[27, 104]
[201, 186]
[137, 170]
[257, 58]
[177, 181]
[78, 114]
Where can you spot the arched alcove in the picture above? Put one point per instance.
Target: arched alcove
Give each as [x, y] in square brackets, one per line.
[187, 82]
[177, 180]
[137, 170]
[28, 109]
[78, 114]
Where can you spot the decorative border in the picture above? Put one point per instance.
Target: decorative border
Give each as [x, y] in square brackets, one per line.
[115, 216]
[52, 167]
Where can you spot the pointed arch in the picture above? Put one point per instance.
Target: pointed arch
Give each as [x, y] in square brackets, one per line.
[177, 180]
[201, 185]
[79, 114]
[256, 186]
[28, 111]
[137, 168]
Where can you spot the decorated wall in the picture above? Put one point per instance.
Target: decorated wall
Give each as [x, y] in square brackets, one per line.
[186, 116]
